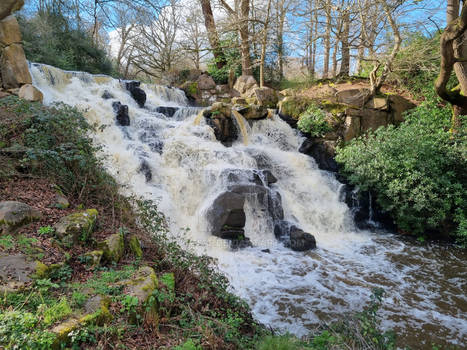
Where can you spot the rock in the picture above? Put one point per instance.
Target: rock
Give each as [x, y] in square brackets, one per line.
[7, 7]
[61, 202]
[245, 83]
[190, 88]
[121, 112]
[240, 243]
[14, 67]
[16, 271]
[322, 151]
[380, 103]
[30, 93]
[282, 229]
[206, 82]
[351, 128]
[62, 332]
[135, 246]
[266, 97]
[239, 101]
[107, 95]
[301, 241]
[399, 105]
[97, 311]
[353, 97]
[292, 106]
[113, 247]
[93, 258]
[77, 227]
[266, 251]
[146, 170]
[167, 111]
[218, 117]
[136, 92]
[13, 215]
[287, 92]
[141, 286]
[9, 31]
[373, 119]
[3, 93]
[227, 208]
[252, 111]
[268, 177]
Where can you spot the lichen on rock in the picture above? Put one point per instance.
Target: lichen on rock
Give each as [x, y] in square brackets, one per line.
[77, 227]
[113, 247]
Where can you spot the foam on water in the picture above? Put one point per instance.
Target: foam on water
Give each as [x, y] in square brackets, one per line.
[288, 290]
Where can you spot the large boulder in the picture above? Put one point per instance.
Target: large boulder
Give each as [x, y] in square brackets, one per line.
[16, 271]
[113, 247]
[9, 31]
[353, 97]
[399, 105]
[136, 92]
[226, 215]
[30, 93]
[370, 119]
[292, 106]
[219, 118]
[14, 67]
[252, 111]
[13, 215]
[7, 7]
[121, 114]
[77, 227]
[301, 241]
[206, 82]
[244, 84]
[351, 127]
[322, 151]
[266, 97]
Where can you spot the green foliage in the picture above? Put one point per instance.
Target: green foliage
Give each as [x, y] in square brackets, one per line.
[7, 242]
[45, 230]
[56, 312]
[58, 147]
[232, 56]
[313, 122]
[416, 170]
[189, 345]
[78, 299]
[129, 304]
[48, 38]
[281, 342]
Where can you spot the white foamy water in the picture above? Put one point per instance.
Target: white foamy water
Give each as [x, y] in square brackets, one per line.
[288, 290]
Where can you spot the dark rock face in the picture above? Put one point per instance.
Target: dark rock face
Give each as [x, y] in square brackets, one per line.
[227, 209]
[136, 92]
[167, 111]
[224, 128]
[289, 120]
[146, 170]
[301, 241]
[121, 112]
[107, 95]
[322, 155]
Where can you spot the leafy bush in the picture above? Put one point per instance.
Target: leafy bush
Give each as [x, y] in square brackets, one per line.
[417, 171]
[313, 122]
[232, 56]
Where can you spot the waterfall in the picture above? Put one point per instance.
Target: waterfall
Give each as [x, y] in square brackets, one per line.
[291, 291]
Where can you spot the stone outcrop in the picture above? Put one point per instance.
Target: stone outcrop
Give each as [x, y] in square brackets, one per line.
[113, 247]
[244, 84]
[265, 97]
[16, 272]
[13, 215]
[30, 93]
[76, 228]
[301, 241]
[14, 68]
[136, 92]
[219, 118]
[121, 114]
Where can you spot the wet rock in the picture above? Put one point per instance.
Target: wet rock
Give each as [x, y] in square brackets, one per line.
[136, 92]
[227, 208]
[301, 241]
[167, 111]
[141, 286]
[218, 117]
[121, 112]
[146, 170]
[242, 243]
[267, 177]
[76, 228]
[322, 152]
[266, 251]
[107, 95]
[14, 215]
[113, 247]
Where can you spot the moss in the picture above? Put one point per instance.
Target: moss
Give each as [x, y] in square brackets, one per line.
[113, 247]
[293, 106]
[94, 258]
[333, 107]
[135, 246]
[76, 227]
[62, 331]
[42, 270]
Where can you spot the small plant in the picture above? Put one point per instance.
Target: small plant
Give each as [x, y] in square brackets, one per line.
[313, 122]
[7, 242]
[129, 305]
[46, 230]
[56, 312]
[78, 299]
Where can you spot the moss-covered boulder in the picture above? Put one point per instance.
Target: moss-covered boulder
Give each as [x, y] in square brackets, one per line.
[62, 332]
[93, 258]
[135, 246]
[18, 270]
[97, 311]
[76, 228]
[113, 247]
[142, 286]
[293, 106]
[14, 215]
[266, 97]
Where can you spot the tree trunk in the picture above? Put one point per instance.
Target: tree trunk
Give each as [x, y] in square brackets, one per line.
[263, 47]
[280, 37]
[327, 40]
[213, 37]
[334, 58]
[345, 48]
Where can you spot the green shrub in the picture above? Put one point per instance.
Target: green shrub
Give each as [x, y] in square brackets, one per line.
[417, 171]
[313, 122]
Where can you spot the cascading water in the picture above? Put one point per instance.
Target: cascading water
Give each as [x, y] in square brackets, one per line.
[177, 161]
